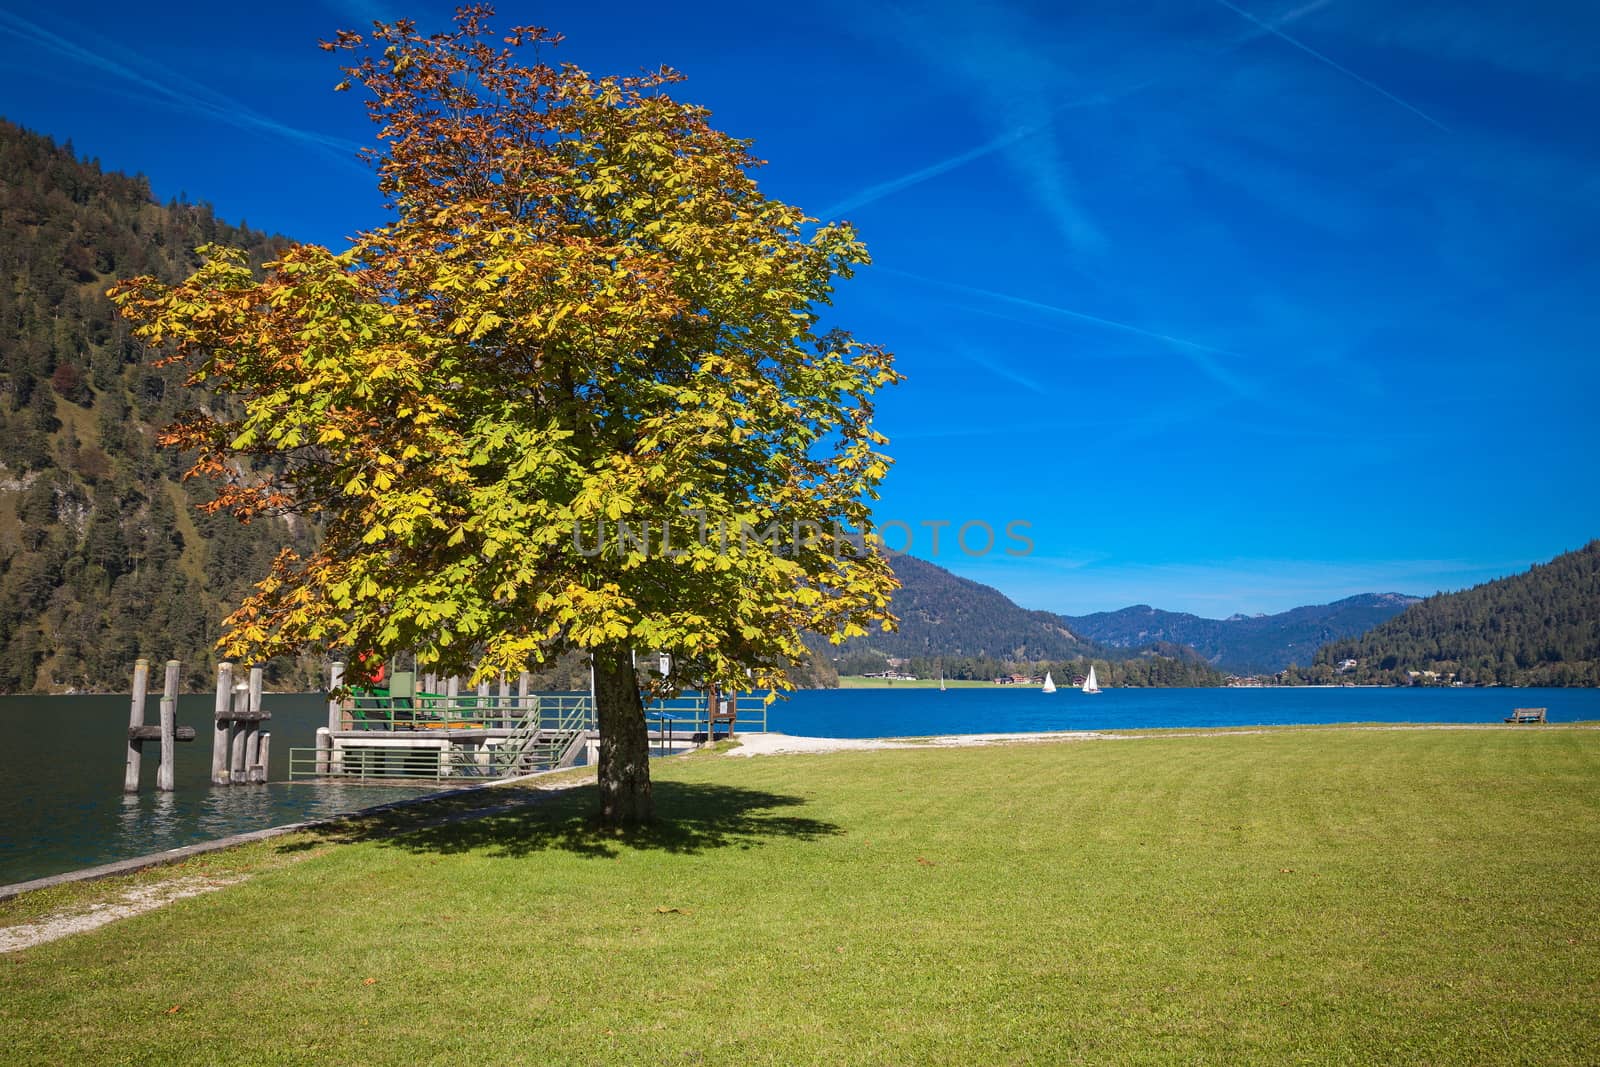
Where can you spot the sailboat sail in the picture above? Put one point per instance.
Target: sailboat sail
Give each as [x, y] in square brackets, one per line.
[1049, 683]
[1090, 685]
[941, 680]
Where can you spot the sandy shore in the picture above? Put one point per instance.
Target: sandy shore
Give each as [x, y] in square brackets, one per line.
[771, 744]
[774, 744]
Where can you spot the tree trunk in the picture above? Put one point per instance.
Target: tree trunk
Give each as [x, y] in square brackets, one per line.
[624, 765]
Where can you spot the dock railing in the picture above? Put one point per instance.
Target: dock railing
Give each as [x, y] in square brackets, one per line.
[368, 763]
[440, 711]
[683, 715]
[435, 736]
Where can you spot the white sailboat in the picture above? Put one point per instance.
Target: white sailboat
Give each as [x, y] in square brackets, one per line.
[941, 680]
[1049, 683]
[1089, 683]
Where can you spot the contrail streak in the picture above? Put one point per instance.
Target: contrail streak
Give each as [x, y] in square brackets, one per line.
[1196, 352]
[174, 90]
[933, 170]
[874, 193]
[1346, 71]
[1004, 371]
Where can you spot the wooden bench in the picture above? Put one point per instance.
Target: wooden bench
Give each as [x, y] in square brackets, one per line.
[1527, 715]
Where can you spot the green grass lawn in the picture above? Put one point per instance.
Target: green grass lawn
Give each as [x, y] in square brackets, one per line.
[1406, 896]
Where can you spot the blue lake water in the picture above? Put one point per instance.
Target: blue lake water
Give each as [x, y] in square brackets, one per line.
[913, 712]
[61, 768]
[62, 806]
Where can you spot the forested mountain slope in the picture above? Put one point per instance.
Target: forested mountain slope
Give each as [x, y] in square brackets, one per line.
[103, 556]
[1541, 627]
[944, 614]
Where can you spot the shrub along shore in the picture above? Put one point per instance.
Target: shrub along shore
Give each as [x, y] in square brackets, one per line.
[1393, 895]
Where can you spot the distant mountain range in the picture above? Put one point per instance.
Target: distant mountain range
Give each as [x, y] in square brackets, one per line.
[1244, 644]
[943, 614]
[1540, 627]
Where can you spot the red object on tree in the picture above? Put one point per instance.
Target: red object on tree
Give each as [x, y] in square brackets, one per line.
[376, 675]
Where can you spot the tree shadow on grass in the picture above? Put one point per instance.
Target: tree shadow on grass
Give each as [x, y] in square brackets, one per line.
[690, 818]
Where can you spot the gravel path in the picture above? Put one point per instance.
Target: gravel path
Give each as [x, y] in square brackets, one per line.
[133, 901]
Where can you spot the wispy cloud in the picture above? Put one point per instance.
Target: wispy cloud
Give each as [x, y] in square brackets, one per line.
[995, 60]
[173, 89]
[1276, 30]
[1036, 160]
[1551, 40]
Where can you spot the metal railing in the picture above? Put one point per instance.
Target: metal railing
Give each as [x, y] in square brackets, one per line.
[550, 735]
[437, 711]
[392, 762]
[687, 717]
[368, 763]
[412, 737]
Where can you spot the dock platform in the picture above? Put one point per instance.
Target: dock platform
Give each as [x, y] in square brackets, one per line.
[407, 734]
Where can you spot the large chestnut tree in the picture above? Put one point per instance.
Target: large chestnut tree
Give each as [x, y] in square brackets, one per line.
[584, 319]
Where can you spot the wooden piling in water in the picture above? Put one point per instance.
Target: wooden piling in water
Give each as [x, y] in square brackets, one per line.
[335, 708]
[238, 733]
[166, 778]
[252, 749]
[241, 738]
[324, 750]
[258, 772]
[141, 681]
[219, 724]
[253, 733]
[240, 747]
[522, 692]
[166, 733]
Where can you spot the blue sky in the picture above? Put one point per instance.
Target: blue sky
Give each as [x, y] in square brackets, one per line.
[1239, 305]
